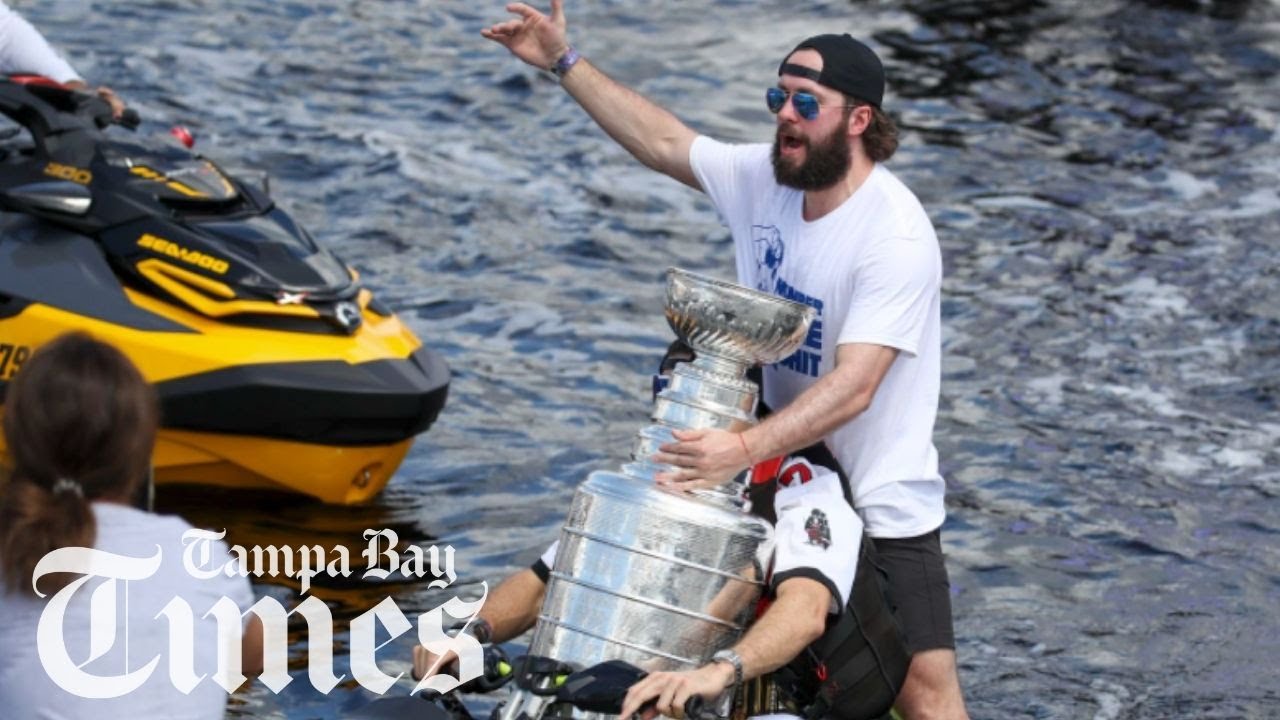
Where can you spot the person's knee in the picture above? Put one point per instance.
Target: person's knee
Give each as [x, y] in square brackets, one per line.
[932, 688]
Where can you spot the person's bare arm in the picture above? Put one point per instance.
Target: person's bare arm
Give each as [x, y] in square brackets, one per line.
[510, 609]
[707, 458]
[835, 399]
[251, 647]
[649, 132]
[513, 606]
[795, 619]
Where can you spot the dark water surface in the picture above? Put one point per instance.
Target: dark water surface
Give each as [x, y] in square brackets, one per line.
[1105, 181]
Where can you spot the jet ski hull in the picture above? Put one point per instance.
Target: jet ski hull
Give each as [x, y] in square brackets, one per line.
[323, 414]
[330, 473]
[274, 367]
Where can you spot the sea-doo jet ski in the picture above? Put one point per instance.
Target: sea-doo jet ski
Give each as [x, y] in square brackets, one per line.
[275, 368]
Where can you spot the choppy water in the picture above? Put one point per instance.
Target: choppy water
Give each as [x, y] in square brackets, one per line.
[1104, 180]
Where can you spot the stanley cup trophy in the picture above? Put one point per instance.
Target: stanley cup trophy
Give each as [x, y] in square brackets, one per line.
[661, 578]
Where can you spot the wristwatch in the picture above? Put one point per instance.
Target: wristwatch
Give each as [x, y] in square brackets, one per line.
[734, 659]
[481, 630]
[564, 63]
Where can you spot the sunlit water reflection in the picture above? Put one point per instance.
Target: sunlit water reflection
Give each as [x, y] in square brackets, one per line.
[1103, 177]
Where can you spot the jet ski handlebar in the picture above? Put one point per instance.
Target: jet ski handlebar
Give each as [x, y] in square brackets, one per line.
[100, 111]
[129, 119]
[47, 107]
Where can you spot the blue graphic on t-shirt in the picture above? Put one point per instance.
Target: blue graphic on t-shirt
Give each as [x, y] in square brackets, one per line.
[808, 359]
[769, 251]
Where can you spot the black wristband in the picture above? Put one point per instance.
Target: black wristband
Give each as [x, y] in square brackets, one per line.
[481, 630]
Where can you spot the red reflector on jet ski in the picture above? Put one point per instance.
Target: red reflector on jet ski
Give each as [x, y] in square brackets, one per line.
[184, 136]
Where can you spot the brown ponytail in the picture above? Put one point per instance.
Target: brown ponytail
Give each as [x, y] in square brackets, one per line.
[79, 422]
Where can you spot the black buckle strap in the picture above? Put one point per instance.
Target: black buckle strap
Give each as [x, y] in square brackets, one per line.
[762, 696]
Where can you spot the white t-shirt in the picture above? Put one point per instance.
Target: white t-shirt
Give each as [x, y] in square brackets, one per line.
[23, 50]
[873, 271]
[27, 691]
[817, 536]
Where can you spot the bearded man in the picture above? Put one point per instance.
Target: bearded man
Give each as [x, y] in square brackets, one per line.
[846, 236]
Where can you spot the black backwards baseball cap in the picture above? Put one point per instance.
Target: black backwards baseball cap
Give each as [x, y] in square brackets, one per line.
[847, 65]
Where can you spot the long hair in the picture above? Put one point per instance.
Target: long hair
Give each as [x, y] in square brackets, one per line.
[80, 424]
[880, 139]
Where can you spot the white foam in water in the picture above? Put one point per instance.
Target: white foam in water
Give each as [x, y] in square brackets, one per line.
[1094, 350]
[458, 163]
[1154, 400]
[1176, 463]
[1110, 697]
[1236, 458]
[1188, 186]
[1049, 388]
[1146, 296]
[1258, 203]
[1015, 201]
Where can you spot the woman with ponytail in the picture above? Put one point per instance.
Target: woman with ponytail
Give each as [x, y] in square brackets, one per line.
[80, 423]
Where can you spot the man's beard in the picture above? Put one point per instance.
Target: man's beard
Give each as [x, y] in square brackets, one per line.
[824, 163]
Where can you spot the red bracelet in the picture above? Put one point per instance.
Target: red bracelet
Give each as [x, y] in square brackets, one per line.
[745, 451]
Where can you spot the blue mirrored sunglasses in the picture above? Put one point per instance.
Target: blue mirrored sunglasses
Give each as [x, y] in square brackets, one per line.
[806, 104]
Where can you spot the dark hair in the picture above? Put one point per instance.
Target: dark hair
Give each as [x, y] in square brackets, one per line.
[880, 139]
[80, 424]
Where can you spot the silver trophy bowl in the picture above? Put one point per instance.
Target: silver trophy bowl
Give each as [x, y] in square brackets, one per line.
[730, 328]
[733, 326]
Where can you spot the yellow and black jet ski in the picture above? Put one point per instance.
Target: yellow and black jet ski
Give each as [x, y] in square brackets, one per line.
[274, 367]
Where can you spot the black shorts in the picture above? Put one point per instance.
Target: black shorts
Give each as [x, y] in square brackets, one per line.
[919, 589]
